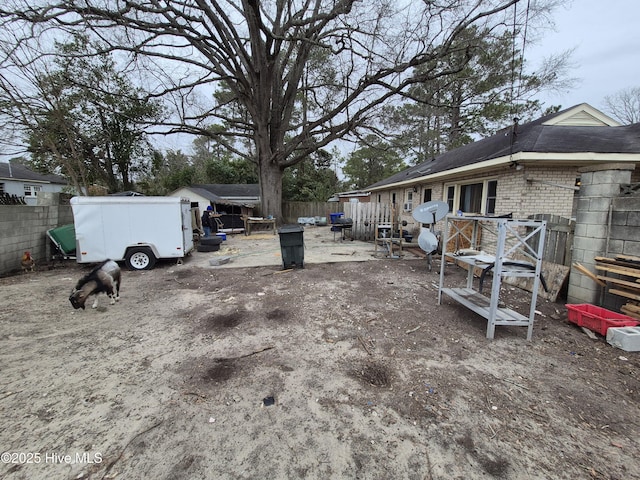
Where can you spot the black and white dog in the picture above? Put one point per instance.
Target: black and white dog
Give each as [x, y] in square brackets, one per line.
[104, 278]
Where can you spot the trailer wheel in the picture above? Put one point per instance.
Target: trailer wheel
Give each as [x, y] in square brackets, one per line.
[140, 258]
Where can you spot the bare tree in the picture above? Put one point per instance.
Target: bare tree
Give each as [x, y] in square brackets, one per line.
[625, 105]
[75, 113]
[345, 58]
[28, 105]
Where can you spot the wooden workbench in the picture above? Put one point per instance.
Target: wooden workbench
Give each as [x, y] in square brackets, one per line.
[249, 222]
[385, 238]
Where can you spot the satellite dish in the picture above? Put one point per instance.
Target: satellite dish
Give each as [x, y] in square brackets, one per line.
[427, 241]
[430, 212]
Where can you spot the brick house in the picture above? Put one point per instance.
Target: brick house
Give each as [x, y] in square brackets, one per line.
[525, 169]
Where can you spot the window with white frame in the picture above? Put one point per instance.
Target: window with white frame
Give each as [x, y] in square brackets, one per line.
[31, 190]
[473, 197]
[1, 188]
[451, 196]
[408, 200]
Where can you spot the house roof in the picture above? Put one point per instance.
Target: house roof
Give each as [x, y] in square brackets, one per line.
[577, 129]
[351, 194]
[229, 194]
[232, 190]
[127, 193]
[17, 172]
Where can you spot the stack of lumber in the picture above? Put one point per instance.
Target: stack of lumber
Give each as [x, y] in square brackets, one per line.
[622, 275]
[632, 309]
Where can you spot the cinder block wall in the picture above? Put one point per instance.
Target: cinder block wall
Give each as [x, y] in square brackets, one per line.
[24, 227]
[598, 199]
[624, 237]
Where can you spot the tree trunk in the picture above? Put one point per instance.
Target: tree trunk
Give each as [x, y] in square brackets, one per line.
[271, 190]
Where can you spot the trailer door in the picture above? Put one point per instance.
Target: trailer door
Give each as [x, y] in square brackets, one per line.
[187, 227]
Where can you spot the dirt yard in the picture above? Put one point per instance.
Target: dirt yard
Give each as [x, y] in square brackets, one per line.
[369, 377]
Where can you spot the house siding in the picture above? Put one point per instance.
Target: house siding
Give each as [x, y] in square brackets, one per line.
[533, 191]
[546, 190]
[193, 197]
[16, 187]
[522, 193]
[584, 119]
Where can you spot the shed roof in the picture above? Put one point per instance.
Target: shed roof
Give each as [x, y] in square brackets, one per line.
[247, 195]
[231, 190]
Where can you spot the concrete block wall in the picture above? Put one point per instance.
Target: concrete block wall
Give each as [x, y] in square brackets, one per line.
[625, 226]
[624, 238]
[599, 202]
[24, 227]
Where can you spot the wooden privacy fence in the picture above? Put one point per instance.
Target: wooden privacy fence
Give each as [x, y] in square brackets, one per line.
[291, 211]
[558, 240]
[367, 215]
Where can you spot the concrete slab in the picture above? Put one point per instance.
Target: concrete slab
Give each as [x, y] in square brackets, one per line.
[263, 249]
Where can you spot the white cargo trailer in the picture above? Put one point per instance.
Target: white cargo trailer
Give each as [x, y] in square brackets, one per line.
[137, 230]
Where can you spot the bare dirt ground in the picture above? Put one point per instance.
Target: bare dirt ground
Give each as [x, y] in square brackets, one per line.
[370, 379]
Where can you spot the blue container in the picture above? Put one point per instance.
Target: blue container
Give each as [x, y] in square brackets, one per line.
[335, 216]
[222, 235]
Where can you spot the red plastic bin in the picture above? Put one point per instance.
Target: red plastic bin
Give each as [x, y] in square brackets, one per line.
[598, 319]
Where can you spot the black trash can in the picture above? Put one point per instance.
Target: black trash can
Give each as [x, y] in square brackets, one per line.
[292, 246]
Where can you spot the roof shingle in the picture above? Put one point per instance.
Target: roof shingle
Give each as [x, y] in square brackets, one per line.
[534, 137]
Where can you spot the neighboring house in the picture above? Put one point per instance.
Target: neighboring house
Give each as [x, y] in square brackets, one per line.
[523, 170]
[231, 201]
[18, 180]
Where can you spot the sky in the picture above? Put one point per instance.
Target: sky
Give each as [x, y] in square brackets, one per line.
[606, 39]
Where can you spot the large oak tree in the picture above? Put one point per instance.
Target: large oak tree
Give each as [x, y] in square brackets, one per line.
[300, 73]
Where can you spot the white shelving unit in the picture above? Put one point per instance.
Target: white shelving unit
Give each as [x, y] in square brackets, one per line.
[518, 252]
